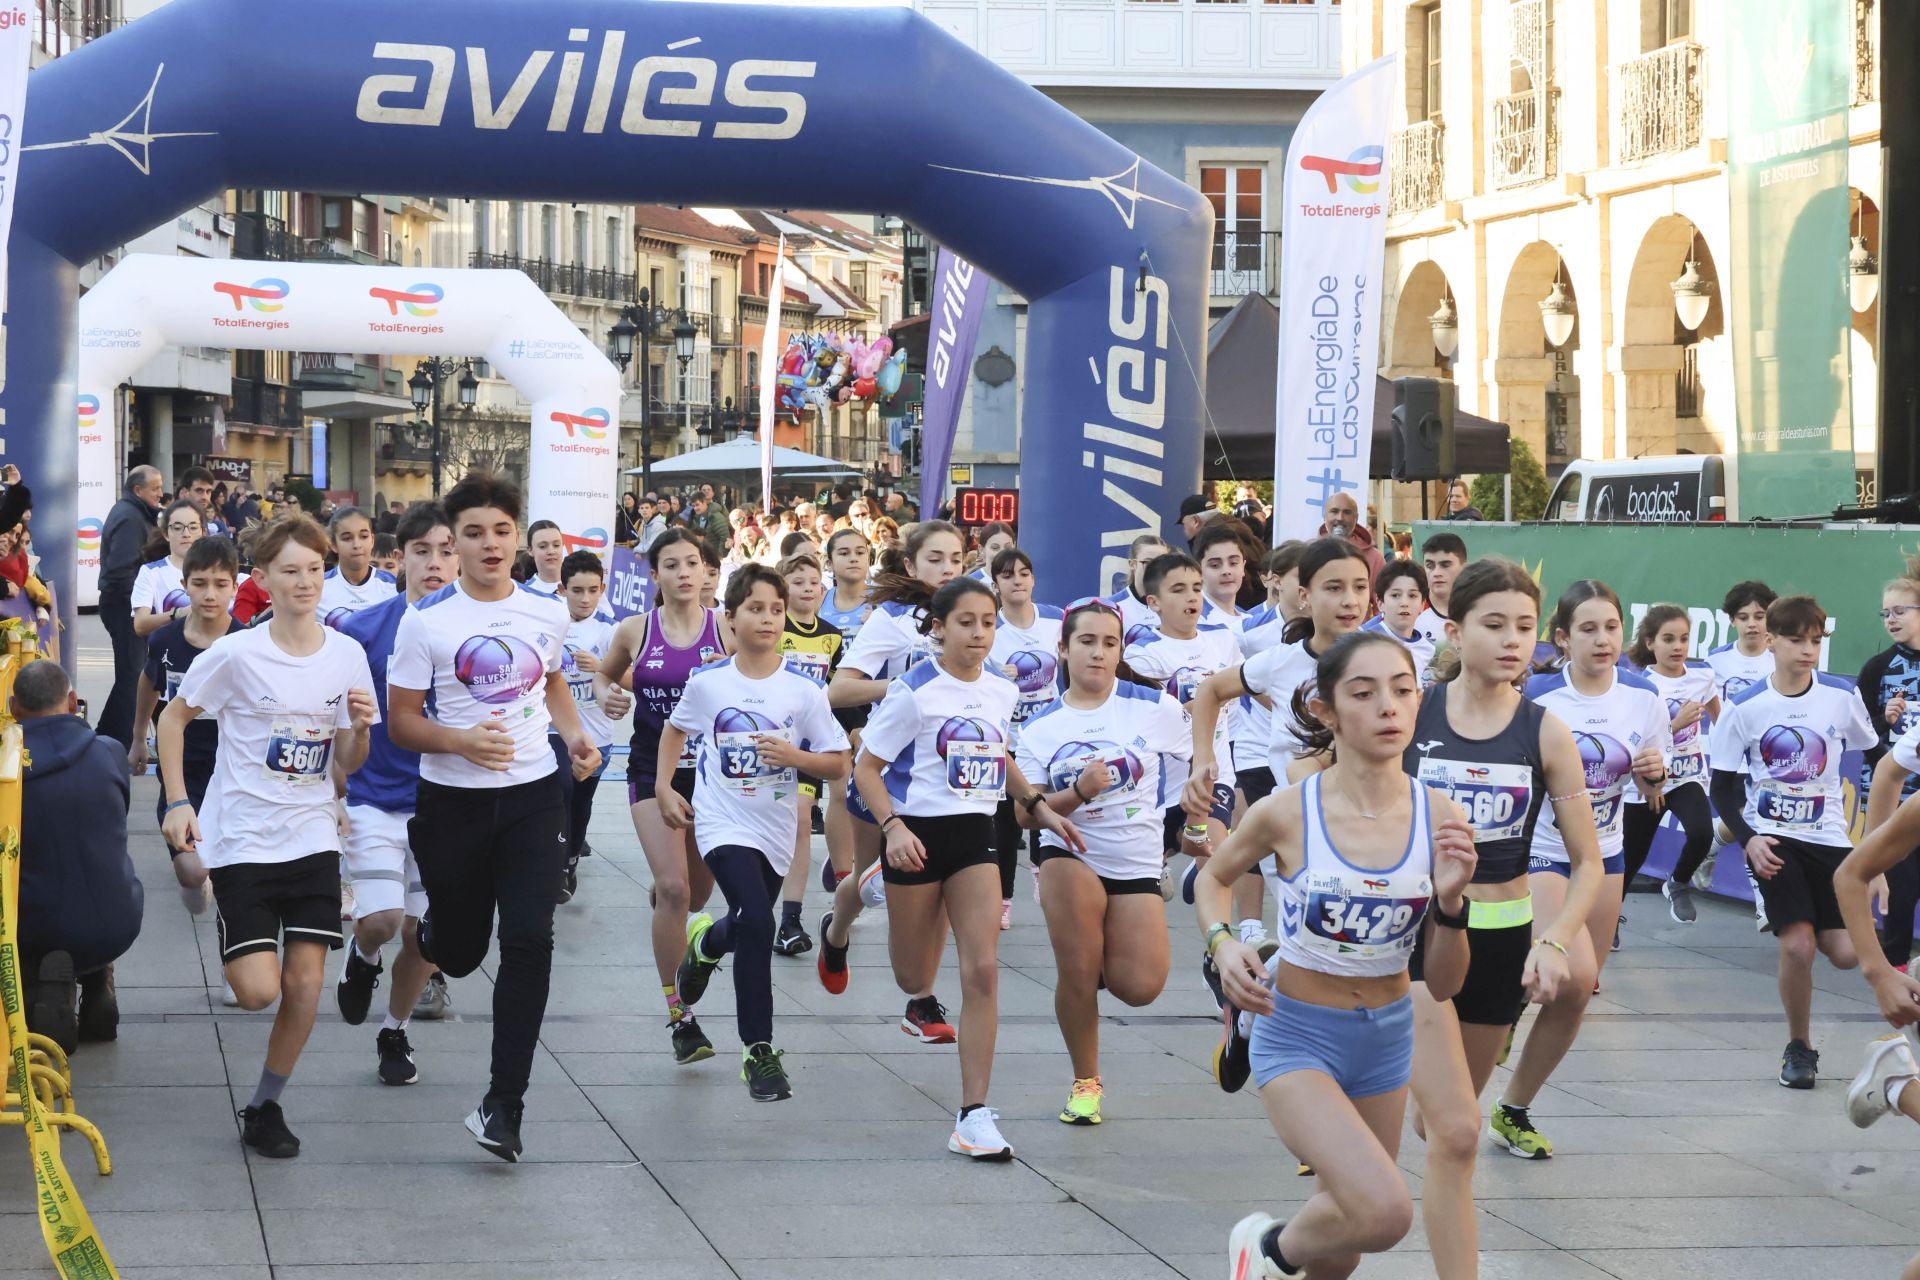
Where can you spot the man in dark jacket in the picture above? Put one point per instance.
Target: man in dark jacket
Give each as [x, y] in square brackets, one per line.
[709, 521]
[125, 533]
[80, 901]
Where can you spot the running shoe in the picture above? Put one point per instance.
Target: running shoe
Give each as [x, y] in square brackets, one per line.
[197, 898]
[1301, 1169]
[1211, 975]
[833, 960]
[1166, 883]
[570, 880]
[1888, 1059]
[1619, 924]
[1187, 881]
[695, 969]
[1679, 896]
[760, 1068]
[264, 1129]
[792, 939]
[1246, 1257]
[227, 997]
[1231, 1062]
[1513, 1129]
[354, 992]
[1006, 913]
[977, 1136]
[1268, 949]
[436, 1001]
[873, 887]
[1703, 876]
[1506, 1046]
[495, 1125]
[1083, 1102]
[690, 1043]
[926, 1021]
[1799, 1065]
[396, 1056]
[829, 878]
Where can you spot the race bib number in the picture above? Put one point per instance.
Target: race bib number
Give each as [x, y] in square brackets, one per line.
[977, 770]
[742, 767]
[689, 754]
[1788, 806]
[1186, 683]
[298, 756]
[1496, 797]
[1686, 768]
[582, 691]
[1030, 705]
[1339, 923]
[814, 665]
[1606, 814]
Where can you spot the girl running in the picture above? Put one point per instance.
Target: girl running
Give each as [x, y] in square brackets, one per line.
[158, 596]
[1622, 738]
[1692, 693]
[994, 538]
[1498, 757]
[1378, 863]
[1026, 645]
[933, 766]
[653, 654]
[355, 582]
[548, 546]
[1097, 750]
[849, 559]
[890, 643]
[1890, 685]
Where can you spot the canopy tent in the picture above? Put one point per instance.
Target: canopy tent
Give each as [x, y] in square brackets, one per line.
[1243, 366]
[739, 459]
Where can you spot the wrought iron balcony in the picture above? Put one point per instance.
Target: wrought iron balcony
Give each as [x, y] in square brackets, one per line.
[569, 279]
[1526, 138]
[264, 404]
[1866, 51]
[262, 237]
[1660, 101]
[404, 446]
[1417, 167]
[1245, 264]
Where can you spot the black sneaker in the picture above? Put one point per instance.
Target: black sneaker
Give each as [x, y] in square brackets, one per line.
[570, 880]
[760, 1068]
[1231, 1061]
[495, 1125]
[833, 960]
[690, 1043]
[99, 1007]
[264, 1129]
[819, 823]
[396, 1057]
[1212, 976]
[354, 992]
[1616, 933]
[1798, 1065]
[792, 939]
[829, 878]
[53, 1001]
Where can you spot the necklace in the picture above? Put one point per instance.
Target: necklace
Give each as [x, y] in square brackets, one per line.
[1347, 794]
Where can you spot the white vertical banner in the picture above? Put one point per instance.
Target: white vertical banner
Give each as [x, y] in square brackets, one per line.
[1333, 247]
[769, 365]
[16, 46]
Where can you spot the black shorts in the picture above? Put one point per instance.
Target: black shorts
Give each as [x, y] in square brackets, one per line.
[639, 789]
[953, 841]
[1801, 891]
[811, 787]
[256, 902]
[1492, 995]
[1255, 784]
[1049, 853]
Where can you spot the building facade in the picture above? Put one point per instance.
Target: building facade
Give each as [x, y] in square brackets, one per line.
[1547, 145]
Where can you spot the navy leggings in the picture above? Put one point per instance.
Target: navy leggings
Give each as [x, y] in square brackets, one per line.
[752, 886]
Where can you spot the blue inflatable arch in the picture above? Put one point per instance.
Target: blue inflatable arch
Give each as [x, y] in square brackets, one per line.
[624, 101]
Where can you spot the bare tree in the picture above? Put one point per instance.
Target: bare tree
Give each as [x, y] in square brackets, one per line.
[484, 439]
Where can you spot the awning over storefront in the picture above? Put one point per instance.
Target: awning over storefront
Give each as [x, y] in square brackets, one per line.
[355, 405]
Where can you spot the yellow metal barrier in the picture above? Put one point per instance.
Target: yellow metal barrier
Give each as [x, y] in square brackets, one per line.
[39, 1094]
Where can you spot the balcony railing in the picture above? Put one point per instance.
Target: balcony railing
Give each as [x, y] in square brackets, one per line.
[1660, 101]
[1245, 264]
[403, 446]
[570, 279]
[1526, 137]
[1866, 51]
[264, 404]
[262, 237]
[1417, 167]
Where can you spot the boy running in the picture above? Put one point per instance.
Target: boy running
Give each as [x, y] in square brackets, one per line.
[289, 698]
[583, 579]
[810, 645]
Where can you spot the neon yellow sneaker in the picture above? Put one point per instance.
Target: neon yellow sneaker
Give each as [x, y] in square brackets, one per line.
[1083, 1104]
[1513, 1129]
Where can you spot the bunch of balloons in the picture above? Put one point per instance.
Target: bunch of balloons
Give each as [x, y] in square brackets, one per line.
[820, 370]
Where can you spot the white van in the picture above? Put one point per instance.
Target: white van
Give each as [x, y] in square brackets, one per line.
[1671, 490]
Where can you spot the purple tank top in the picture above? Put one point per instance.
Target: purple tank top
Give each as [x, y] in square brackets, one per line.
[660, 674]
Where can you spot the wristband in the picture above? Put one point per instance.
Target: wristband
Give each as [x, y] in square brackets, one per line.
[1215, 932]
[177, 804]
[1440, 917]
[890, 818]
[1076, 792]
[1549, 942]
[1034, 800]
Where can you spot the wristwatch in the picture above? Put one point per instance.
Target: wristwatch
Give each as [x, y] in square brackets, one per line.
[1441, 918]
[1033, 800]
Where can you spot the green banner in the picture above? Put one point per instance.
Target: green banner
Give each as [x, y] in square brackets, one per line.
[1788, 87]
[1693, 565]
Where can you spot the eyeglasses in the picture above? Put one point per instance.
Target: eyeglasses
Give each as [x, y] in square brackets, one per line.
[1090, 602]
[1893, 611]
[194, 528]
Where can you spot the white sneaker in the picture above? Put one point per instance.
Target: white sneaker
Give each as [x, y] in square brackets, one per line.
[227, 997]
[1006, 913]
[976, 1135]
[197, 897]
[1703, 878]
[1888, 1058]
[1253, 932]
[873, 888]
[1245, 1259]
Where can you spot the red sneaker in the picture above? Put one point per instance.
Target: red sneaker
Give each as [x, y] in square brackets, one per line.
[927, 1022]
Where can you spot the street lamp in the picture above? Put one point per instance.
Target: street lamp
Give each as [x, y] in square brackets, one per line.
[1557, 314]
[643, 321]
[1446, 329]
[424, 388]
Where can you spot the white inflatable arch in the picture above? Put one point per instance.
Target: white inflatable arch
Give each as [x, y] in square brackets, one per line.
[149, 302]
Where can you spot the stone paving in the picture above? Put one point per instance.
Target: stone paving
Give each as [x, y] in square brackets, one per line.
[1680, 1157]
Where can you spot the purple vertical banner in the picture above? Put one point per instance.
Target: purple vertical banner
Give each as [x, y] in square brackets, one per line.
[629, 583]
[959, 300]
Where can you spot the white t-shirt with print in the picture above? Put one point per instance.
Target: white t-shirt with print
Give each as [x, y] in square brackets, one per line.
[889, 642]
[589, 635]
[1687, 749]
[339, 598]
[271, 797]
[1789, 749]
[1609, 730]
[1183, 666]
[481, 660]
[159, 587]
[1279, 673]
[1030, 657]
[947, 740]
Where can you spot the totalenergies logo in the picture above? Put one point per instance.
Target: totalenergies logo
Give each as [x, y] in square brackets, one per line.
[590, 540]
[261, 295]
[592, 424]
[89, 411]
[1357, 169]
[89, 535]
[11, 18]
[419, 299]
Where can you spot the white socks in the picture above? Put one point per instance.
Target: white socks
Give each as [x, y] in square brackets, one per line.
[391, 1023]
[1893, 1089]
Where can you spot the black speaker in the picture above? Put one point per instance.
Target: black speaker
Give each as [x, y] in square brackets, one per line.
[1422, 429]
